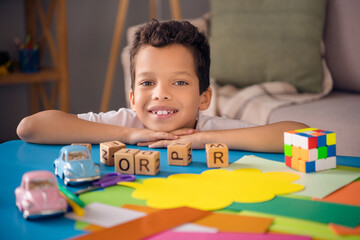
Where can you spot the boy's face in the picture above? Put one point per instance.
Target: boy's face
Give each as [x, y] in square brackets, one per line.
[166, 88]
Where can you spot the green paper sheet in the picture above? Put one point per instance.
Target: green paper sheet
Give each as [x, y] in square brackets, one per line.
[115, 196]
[305, 209]
[300, 227]
[318, 184]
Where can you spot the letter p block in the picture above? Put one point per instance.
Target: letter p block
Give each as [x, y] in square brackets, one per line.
[217, 155]
[147, 162]
[179, 154]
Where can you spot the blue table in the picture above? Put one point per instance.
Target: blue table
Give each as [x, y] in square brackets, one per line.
[18, 157]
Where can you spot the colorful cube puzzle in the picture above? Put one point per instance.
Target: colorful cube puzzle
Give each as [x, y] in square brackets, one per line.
[310, 149]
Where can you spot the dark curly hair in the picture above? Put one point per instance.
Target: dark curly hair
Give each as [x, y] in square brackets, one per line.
[161, 34]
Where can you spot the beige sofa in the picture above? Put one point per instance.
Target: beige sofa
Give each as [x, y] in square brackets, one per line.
[340, 110]
[336, 109]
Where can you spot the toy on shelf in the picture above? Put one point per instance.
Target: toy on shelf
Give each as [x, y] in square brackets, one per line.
[310, 149]
[38, 195]
[74, 164]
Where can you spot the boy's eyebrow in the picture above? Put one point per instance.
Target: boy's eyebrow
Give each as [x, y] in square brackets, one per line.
[182, 73]
[146, 74]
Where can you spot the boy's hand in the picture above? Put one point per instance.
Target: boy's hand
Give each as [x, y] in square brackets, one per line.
[195, 139]
[184, 131]
[136, 136]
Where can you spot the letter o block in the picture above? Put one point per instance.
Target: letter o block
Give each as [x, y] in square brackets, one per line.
[107, 151]
[217, 155]
[179, 154]
[147, 162]
[125, 160]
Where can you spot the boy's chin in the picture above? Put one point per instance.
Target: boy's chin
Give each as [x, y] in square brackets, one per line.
[161, 128]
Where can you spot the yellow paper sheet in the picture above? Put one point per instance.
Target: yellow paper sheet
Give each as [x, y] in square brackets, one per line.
[214, 189]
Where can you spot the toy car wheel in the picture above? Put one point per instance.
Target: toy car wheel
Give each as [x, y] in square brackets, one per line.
[55, 170]
[65, 180]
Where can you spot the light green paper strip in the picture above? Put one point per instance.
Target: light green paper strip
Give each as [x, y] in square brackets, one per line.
[114, 196]
[80, 225]
[318, 184]
[300, 227]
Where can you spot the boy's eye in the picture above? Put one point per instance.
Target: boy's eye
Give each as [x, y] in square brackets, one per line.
[146, 83]
[181, 83]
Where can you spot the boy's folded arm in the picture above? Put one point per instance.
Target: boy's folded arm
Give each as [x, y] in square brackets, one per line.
[266, 138]
[57, 127]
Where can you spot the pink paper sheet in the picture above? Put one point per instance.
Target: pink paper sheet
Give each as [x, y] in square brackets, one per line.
[223, 236]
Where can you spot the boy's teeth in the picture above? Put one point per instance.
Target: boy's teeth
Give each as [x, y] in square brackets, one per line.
[162, 112]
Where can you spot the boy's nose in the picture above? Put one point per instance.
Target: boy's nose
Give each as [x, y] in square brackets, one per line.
[161, 93]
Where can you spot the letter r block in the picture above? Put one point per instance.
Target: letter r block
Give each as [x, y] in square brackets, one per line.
[179, 154]
[147, 162]
[217, 155]
[125, 160]
[107, 151]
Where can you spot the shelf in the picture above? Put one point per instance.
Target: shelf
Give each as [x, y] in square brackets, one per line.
[40, 26]
[21, 78]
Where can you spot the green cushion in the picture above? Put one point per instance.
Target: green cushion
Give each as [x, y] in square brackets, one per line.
[254, 41]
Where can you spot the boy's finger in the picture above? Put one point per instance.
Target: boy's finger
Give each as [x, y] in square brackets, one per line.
[159, 144]
[184, 131]
[165, 135]
[144, 144]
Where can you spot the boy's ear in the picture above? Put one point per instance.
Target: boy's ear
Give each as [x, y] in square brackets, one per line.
[205, 99]
[132, 99]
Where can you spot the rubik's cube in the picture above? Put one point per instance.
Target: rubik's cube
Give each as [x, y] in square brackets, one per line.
[310, 149]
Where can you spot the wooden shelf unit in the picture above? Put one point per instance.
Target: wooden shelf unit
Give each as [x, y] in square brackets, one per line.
[45, 75]
[38, 97]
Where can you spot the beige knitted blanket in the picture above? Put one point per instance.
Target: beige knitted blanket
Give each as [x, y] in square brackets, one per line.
[254, 104]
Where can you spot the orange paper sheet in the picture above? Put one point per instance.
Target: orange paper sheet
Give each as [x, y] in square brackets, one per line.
[350, 194]
[139, 208]
[342, 230]
[93, 228]
[151, 224]
[236, 223]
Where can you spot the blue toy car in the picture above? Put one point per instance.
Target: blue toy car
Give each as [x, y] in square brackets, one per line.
[75, 165]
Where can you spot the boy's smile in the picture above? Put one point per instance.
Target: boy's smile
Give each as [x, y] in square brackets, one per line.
[166, 89]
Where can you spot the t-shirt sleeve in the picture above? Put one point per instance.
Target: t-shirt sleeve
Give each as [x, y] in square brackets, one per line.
[123, 117]
[208, 123]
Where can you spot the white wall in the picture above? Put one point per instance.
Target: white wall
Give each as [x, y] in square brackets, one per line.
[90, 30]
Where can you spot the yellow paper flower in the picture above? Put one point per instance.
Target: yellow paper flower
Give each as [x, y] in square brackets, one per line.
[214, 189]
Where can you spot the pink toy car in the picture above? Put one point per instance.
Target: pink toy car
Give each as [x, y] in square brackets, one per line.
[38, 195]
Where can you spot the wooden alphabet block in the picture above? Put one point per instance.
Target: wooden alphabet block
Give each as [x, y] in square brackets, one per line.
[217, 155]
[147, 162]
[179, 154]
[125, 160]
[88, 145]
[107, 151]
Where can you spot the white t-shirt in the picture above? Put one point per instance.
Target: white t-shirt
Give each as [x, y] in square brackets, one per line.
[127, 118]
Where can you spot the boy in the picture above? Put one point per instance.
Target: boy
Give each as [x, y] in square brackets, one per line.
[169, 65]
